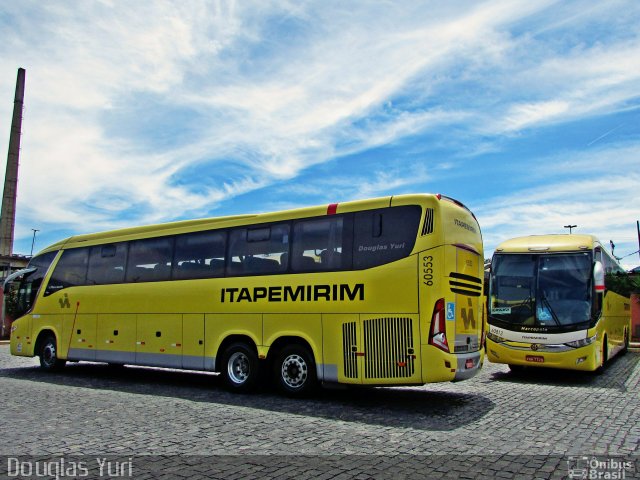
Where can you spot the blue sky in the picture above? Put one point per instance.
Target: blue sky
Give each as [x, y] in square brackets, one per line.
[153, 111]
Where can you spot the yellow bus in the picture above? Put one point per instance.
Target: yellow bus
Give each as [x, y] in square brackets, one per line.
[384, 291]
[554, 301]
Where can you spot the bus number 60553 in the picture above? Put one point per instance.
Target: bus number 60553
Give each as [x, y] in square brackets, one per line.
[427, 270]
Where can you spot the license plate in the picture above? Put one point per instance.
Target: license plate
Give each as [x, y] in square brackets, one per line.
[534, 358]
[468, 363]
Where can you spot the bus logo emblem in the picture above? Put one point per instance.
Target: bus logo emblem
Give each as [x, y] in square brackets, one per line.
[64, 301]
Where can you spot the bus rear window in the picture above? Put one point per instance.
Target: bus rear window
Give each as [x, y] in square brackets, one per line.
[384, 235]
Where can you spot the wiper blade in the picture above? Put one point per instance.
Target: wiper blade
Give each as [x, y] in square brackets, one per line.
[548, 305]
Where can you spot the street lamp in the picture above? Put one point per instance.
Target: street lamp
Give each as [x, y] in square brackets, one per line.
[33, 242]
[570, 227]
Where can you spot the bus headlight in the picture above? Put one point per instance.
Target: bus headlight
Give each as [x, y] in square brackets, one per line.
[581, 343]
[495, 338]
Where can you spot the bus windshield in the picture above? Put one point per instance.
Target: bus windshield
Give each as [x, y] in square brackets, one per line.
[541, 290]
[21, 292]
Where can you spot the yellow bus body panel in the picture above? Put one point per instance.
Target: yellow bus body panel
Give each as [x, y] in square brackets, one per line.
[367, 326]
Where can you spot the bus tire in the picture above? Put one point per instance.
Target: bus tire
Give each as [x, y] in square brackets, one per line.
[604, 356]
[295, 371]
[625, 340]
[48, 353]
[240, 368]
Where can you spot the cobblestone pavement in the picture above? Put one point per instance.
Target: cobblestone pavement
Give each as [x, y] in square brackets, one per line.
[169, 424]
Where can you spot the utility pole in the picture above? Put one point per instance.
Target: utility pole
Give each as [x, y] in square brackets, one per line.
[570, 227]
[33, 242]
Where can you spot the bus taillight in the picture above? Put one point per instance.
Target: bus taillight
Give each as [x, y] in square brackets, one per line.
[438, 333]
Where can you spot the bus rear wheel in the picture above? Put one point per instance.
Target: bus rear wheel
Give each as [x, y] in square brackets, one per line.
[625, 340]
[48, 354]
[240, 367]
[295, 371]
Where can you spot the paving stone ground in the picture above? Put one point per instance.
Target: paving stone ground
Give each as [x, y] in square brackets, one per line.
[153, 423]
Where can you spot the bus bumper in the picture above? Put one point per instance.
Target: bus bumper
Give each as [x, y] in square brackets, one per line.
[439, 366]
[21, 343]
[583, 358]
[469, 364]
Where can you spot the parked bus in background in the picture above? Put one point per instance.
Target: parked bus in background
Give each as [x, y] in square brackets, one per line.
[384, 291]
[556, 301]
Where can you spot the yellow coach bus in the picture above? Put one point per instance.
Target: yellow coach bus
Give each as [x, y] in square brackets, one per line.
[555, 301]
[384, 291]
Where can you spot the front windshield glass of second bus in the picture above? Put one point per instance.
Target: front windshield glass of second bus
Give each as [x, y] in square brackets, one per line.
[541, 290]
[564, 289]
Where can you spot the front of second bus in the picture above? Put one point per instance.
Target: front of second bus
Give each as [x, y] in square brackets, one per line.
[540, 310]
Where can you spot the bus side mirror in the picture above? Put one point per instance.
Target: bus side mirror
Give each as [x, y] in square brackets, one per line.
[598, 277]
[598, 283]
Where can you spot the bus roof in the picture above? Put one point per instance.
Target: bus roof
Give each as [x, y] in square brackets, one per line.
[185, 226]
[548, 243]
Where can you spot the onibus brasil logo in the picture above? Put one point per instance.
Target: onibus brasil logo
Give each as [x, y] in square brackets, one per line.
[585, 467]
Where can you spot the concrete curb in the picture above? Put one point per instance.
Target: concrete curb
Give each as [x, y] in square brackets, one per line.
[4, 342]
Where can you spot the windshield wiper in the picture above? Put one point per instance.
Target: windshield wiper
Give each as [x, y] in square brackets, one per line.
[553, 314]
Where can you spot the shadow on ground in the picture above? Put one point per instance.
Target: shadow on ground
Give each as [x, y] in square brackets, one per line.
[407, 407]
[615, 375]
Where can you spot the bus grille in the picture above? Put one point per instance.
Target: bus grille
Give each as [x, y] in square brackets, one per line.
[349, 343]
[388, 347]
[427, 227]
[465, 284]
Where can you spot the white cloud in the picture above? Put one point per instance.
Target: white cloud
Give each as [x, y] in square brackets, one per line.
[595, 189]
[276, 87]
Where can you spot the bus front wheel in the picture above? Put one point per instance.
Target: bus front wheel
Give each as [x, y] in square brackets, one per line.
[49, 354]
[295, 371]
[604, 355]
[240, 367]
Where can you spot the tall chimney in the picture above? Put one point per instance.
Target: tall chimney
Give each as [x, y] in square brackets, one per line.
[8, 213]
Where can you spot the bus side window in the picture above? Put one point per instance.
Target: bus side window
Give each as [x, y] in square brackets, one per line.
[260, 250]
[317, 244]
[70, 271]
[106, 264]
[199, 255]
[150, 260]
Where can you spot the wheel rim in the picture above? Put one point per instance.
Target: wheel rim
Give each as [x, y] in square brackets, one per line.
[294, 371]
[49, 354]
[238, 368]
